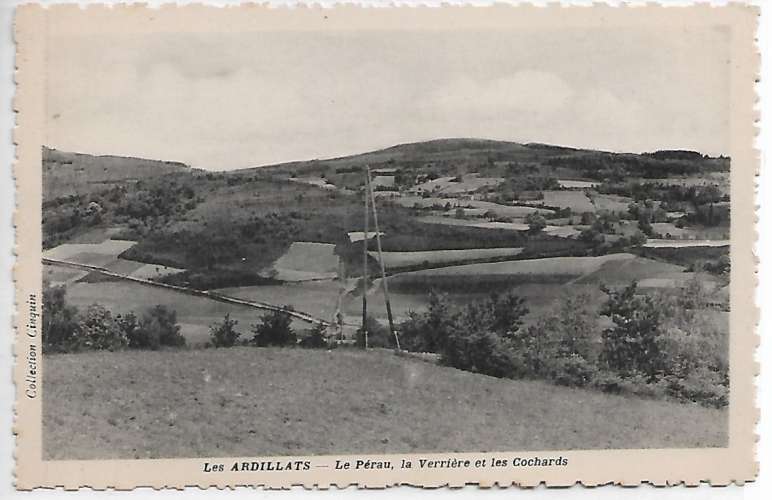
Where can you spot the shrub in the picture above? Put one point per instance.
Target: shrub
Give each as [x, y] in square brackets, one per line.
[158, 327]
[274, 329]
[98, 330]
[59, 320]
[224, 334]
[315, 337]
[377, 335]
[702, 386]
[536, 222]
[572, 370]
[472, 348]
[630, 347]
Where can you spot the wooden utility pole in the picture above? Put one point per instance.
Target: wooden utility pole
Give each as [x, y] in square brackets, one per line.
[380, 259]
[364, 262]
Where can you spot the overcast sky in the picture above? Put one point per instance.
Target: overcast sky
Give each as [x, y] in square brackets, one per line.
[236, 100]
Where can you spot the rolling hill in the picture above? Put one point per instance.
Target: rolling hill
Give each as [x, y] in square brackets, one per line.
[67, 173]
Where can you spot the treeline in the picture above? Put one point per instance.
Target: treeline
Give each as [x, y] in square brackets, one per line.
[274, 329]
[657, 345]
[616, 167]
[67, 329]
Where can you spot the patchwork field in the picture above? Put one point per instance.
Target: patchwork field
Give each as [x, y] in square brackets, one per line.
[98, 406]
[307, 261]
[405, 259]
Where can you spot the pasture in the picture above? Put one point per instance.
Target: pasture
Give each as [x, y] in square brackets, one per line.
[610, 202]
[577, 201]
[307, 261]
[318, 298]
[433, 257]
[452, 185]
[574, 184]
[94, 254]
[520, 225]
[259, 402]
[656, 243]
[453, 203]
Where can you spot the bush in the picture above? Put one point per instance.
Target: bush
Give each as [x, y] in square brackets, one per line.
[224, 334]
[59, 320]
[274, 329]
[315, 338]
[572, 370]
[702, 386]
[158, 327]
[377, 335]
[98, 330]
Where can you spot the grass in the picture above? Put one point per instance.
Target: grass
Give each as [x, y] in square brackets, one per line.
[253, 402]
[406, 259]
[306, 261]
[318, 298]
[577, 201]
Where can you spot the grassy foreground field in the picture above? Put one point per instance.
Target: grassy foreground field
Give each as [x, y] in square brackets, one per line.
[250, 401]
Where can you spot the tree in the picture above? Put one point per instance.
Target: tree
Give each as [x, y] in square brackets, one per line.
[59, 319]
[315, 338]
[98, 330]
[377, 335]
[631, 346]
[224, 334]
[274, 329]
[157, 327]
[536, 222]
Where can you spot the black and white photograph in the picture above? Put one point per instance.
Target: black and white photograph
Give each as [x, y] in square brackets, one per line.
[339, 241]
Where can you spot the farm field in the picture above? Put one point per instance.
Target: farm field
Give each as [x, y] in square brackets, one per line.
[573, 184]
[318, 298]
[610, 202]
[540, 298]
[94, 254]
[468, 183]
[539, 281]
[97, 406]
[655, 243]
[194, 314]
[307, 261]
[548, 270]
[498, 209]
[561, 231]
[404, 259]
[577, 201]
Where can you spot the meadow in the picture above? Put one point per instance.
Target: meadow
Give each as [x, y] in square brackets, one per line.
[434, 257]
[250, 401]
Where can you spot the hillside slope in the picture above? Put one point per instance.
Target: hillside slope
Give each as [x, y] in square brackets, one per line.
[250, 402]
[67, 173]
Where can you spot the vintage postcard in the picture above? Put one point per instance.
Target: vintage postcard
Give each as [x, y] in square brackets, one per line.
[348, 246]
